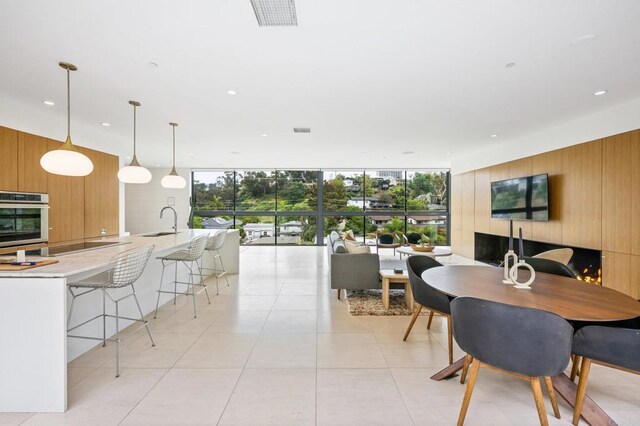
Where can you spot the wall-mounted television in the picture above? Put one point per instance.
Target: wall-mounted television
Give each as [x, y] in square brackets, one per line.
[525, 198]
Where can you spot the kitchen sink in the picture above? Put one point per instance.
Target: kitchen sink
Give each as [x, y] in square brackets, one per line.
[160, 234]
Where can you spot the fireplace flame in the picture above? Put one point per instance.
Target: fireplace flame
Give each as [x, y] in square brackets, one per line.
[592, 277]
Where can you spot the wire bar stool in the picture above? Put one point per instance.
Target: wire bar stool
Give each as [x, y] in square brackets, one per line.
[214, 244]
[124, 270]
[192, 254]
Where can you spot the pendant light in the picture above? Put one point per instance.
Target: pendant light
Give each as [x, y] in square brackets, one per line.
[173, 180]
[67, 160]
[134, 172]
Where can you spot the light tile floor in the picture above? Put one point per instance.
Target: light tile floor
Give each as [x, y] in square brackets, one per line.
[278, 348]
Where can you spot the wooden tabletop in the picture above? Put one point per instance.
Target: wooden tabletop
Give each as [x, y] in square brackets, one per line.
[569, 298]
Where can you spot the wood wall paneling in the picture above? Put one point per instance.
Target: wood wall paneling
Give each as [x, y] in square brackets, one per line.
[66, 205]
[8, 159]
[467, 244]
[621, 193]
[482, 200]
[468, 201]
[31, 176]
[551, 163]
[582, 195]
[101, 199]
[620, 272]
[456, 202]
[499, 226]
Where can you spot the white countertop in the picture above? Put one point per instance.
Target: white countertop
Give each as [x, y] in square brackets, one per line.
[97, 260]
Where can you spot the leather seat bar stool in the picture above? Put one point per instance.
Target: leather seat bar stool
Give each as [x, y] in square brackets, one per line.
[124, 270]
[188, 257]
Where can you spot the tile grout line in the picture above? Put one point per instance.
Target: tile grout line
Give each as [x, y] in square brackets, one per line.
[166, 372]
[246, 362]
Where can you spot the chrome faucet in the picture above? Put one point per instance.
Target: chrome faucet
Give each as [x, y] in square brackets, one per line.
[175, 217]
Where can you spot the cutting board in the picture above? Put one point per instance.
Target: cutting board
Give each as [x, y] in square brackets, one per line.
[6, 267]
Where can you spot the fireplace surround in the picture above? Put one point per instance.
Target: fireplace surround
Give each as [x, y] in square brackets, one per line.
[586, 263]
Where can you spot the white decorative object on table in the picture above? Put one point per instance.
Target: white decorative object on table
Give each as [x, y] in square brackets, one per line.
[507, 274]
[513, 275]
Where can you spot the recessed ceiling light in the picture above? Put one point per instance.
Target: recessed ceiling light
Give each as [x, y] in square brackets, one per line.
[600, 92]
[447, 153]
[153, 64]
[587, 38]
[231, 92]
[49, 103]
[105, 124]
[510, 65]
[264, 135]
[275, 13]
[157, 165]
[495, 135]
[407, 152]
[235, 152]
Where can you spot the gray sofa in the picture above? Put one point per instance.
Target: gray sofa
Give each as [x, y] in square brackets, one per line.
[355, 271]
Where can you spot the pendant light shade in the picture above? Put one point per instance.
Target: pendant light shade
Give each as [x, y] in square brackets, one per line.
[67, 160]
[134, 172]
[173, 179]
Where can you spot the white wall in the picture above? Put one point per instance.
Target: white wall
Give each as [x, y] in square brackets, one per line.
[619, 119]
[144, 202]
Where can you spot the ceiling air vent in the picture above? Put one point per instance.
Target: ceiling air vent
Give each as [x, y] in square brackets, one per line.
[301, 130]
[275, 13]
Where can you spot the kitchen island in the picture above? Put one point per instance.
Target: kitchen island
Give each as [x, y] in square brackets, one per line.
[33, 315]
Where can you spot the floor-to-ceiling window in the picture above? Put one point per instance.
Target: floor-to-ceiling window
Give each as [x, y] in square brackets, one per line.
[301, 207]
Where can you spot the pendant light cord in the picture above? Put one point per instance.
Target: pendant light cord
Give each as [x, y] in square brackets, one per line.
[134, 131]
[174, 147]
[68, 104]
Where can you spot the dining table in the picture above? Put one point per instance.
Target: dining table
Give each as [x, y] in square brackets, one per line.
[569, 298]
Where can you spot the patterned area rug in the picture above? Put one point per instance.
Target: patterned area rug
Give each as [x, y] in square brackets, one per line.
[369, 302]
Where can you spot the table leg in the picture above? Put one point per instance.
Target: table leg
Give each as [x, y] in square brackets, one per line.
[408, 296]
[450, 371]
[591, 412]
[385, 293]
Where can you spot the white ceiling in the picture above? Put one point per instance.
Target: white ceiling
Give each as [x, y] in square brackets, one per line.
[372, 78]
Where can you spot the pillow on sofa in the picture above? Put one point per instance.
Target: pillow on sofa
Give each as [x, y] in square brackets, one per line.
[348, 236]
[353, 248]
[339, 247]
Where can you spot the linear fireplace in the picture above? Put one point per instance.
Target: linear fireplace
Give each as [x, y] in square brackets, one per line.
[586, 263]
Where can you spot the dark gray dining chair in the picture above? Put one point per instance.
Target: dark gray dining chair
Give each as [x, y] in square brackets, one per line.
[549, 266]
[427, 296]
[611, 346]
[526, 343]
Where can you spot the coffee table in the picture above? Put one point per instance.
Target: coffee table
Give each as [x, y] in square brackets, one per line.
[437, 251]
[388, 277]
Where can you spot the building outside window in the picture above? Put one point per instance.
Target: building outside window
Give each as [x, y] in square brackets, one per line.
[301, 207]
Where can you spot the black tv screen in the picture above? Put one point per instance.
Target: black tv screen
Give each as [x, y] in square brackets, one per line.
[525, 198]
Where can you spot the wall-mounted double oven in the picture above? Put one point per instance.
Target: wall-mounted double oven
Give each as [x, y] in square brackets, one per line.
[24, 218]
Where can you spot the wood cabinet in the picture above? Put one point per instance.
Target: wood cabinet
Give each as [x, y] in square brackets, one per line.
[482, 200]
[620, 272]
[101, 195]
[621, 193]
[551, 163]
[66, 205]
[582, 195]
[8, 159]
[31, 176]
[468, 201]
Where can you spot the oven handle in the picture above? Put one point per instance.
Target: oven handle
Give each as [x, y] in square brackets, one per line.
[23, 206]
